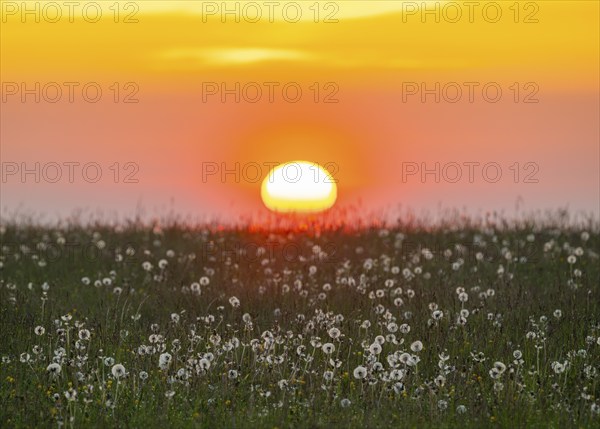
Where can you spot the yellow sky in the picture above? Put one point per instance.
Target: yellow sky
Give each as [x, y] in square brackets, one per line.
[372, 39]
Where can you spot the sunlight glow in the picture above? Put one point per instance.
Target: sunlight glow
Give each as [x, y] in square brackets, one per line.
[300, 187]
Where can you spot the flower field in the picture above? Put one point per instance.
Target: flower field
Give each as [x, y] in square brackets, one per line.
[483, 325]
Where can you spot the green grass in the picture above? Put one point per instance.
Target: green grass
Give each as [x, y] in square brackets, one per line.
[289, 303]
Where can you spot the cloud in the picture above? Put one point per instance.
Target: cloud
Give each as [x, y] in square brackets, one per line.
[235, 56]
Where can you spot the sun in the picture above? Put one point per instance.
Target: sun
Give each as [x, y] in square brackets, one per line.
[298, 187]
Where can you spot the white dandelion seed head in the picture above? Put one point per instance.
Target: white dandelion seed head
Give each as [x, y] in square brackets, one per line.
[416, 346]
[375, 348]
[164, 360]
[360, 372]
[118, 371]
[334, 333]
[195, 288]
[204, 364]
[54, 369]
[328, 348]
[398, 388]
[396, 374]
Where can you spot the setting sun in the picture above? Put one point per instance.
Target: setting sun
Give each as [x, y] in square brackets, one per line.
[300, 187]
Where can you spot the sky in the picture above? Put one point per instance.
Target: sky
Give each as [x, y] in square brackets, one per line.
[185, 106]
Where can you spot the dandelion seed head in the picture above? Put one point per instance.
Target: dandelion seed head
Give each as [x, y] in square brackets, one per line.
[360, 372]
[118, 371]
[416, 346]
[54, 369]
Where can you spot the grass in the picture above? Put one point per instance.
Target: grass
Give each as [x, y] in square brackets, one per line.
[266, 364]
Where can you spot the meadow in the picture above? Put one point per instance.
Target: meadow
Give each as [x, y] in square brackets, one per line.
[472, 324]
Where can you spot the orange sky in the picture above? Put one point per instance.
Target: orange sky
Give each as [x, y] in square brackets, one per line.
[367, 58]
